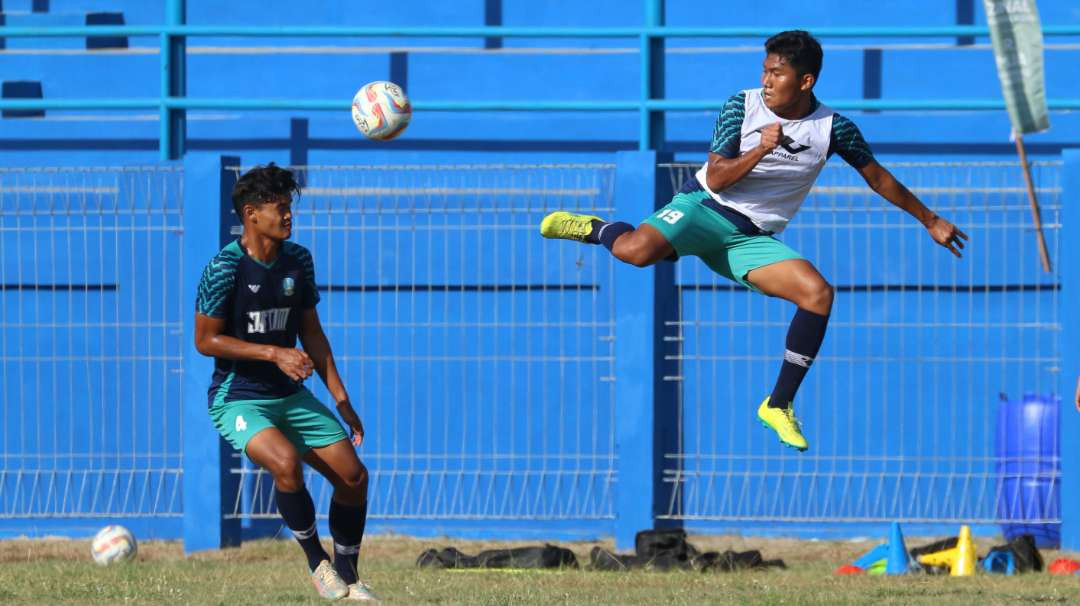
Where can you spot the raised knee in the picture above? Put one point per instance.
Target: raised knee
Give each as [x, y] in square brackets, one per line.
[819, 297]
[357, 480]
[287, 472]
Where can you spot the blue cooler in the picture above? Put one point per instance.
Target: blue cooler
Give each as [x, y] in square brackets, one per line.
[1029, 468]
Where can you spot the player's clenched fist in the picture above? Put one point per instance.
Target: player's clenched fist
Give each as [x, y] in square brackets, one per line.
[293, 362]
[771, 136]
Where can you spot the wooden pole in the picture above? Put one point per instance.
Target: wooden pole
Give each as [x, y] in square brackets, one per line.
[1035, 214]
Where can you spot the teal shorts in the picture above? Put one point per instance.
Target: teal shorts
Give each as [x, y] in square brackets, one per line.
[304, 420]
[696, 230]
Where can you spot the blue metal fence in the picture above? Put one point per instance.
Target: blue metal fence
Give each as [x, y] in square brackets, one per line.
[90, 348]
[481, 359]
[650, 104]
[531, 384]
[901, 405]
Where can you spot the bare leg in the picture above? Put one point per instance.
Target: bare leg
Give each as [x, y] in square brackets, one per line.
[339, 464]
[642, 247]
[799, 282]
[795, 280]
[272, 451]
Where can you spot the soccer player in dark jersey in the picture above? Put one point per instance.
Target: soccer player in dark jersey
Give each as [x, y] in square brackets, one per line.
[768, 146]
[255, 298]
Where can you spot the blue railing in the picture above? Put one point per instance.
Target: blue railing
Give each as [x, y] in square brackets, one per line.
[172, 101]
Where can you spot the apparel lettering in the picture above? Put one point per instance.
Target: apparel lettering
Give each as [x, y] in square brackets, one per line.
[270, 320]
[781, 154]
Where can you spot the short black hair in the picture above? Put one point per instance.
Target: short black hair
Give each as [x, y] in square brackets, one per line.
[262, 184]
[801, 50]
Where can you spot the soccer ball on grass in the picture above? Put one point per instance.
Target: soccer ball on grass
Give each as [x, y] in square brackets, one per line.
[113, 544]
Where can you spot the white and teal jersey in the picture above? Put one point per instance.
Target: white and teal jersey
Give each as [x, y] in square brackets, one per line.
[260, 303]
[771, 193]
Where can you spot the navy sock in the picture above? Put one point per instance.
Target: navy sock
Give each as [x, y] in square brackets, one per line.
[606, 233]
[804, 338]
[298, 511]
[347, 527]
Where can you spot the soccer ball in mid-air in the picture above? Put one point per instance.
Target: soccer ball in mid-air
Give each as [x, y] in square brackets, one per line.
[381, 110]
[113, 544]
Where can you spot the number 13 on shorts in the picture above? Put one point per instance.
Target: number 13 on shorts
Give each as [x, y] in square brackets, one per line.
[670, 215]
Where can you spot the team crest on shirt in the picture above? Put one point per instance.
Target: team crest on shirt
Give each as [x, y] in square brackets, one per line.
[288, 285]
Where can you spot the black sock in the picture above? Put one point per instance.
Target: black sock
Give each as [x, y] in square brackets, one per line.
[606, 233]
[347, 527]
[298, 511]
[804, 338]
[597, 225]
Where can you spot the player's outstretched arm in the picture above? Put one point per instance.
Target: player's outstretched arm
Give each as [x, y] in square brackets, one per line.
[884, 183]
[211, 340]
[317, 346]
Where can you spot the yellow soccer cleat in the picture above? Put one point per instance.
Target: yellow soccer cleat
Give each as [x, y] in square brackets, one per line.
[784, 423]
[567, 226]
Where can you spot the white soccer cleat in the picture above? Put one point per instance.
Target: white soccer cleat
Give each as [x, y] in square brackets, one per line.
[328, 583]
[360, 592]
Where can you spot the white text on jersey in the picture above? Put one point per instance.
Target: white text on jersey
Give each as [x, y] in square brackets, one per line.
[270, 320]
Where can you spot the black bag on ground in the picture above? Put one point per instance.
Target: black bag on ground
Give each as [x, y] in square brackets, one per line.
[730, 561]
[548, 556]
[936, 546]
[663, 549]
[1025, 554]
[602, 559]
[445, 558]
[671, 542]
[668, 549]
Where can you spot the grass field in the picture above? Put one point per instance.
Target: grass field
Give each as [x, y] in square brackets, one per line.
[272, 572]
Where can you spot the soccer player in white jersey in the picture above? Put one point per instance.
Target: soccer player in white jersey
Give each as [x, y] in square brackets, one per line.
[768, 146]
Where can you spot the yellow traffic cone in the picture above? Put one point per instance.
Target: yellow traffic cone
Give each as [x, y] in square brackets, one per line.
[964, 566]
[959, 559]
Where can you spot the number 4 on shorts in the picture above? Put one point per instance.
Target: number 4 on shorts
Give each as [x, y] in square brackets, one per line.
[670, 215]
